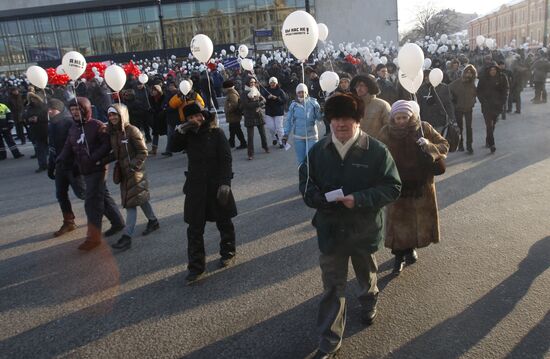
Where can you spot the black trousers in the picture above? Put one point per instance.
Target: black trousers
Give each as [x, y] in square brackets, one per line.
[195, 244]
[98, 202]
[64, 178]
[490, 121]
[514, 96]
[250, 135]
[540, 91]
[5, 135]
[236, 130]
[459, 115]
[20, 130]
[41, 149]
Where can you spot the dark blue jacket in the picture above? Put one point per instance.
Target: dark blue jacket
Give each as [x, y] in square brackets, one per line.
[274, 107]
[58, 131]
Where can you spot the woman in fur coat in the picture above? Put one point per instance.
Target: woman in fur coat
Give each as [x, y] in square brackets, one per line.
[412, 221]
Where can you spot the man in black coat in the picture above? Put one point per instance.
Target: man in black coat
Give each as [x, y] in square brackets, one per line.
[63, 173]
[207, 188]
[36, 114]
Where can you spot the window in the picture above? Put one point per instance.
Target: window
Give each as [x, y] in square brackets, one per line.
[114, 17]
[83, 42]
[4, 55]
[10, 28]
[62, 22]
[132, 15]
[15, 47]
[27, 26]
[170, 11]
[100, 41]
[78, 21]
[44, 24]
[118, 44]
[187, 9]
[206, 6]
[246, 5]
[151, 13]
[96, 19]
[65, 41]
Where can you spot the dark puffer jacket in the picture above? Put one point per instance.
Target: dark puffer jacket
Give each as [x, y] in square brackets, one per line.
[492, 91]
[274, 107]
[88, 142]
[130, 151]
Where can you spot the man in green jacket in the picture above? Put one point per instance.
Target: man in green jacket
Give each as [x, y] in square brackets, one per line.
[352, 225]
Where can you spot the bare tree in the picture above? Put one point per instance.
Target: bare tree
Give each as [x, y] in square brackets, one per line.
[430, 21]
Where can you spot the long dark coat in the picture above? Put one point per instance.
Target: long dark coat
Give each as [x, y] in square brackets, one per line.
[209, 167]
[130, 151]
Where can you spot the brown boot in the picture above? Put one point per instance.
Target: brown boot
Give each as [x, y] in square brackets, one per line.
[154, 150]
[93, 239]
[68, 225]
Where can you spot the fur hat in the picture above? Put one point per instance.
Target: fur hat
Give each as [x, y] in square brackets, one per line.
[344, 105]
[369, 81]
[228, 84]
[191, 109]
[55, 104]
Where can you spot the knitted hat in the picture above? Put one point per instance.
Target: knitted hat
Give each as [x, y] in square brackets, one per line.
[401, 106]
[55, 104]
[191, 109]
[302, 87]
[344, 105]
[228, 84]
[273, 80]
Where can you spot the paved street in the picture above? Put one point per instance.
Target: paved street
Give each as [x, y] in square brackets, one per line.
[483, 292]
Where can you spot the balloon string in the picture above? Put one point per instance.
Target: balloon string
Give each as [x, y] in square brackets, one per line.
[328, 57]
[80, 118]
[303, 73]
[210, 92]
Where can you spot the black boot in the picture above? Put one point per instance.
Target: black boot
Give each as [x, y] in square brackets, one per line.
[151, 227]
[113, 230]
[398, 264]
[461, 147]
[368, 312]
[411, 257]
[124, 243]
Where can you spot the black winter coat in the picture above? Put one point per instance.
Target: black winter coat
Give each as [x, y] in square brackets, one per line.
[58, 131]
[38, 130]
[492, 92]
[274, 107]
[209, 167]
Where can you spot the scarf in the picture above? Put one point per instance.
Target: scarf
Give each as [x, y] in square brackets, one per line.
[343, 148]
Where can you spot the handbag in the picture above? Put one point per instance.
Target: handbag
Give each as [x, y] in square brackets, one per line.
[452, 135]
[436, 167]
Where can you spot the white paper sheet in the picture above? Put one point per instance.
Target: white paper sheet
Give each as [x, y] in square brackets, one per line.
[334, 195]
[288, 146]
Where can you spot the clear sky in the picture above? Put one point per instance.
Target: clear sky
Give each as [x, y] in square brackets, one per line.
[408, 8]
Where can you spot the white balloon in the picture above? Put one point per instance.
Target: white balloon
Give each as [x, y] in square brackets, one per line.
[155, 65]
[411, 84]
[202, 47]
[74, 64]
[436, 76]
[223, 52]
[411, 59]
[59, 70]
[37, 76]
[115, 77]
[378, 39]
[444, 38]
[329, 81]
[143, 78]
[396, 61]
[427, 63]
[383, 60]
[232, 48]
[243, 51]
[480, 40]
[323, 31]
[300, 34]
[415, 108]
[247, 64]
[185, 87]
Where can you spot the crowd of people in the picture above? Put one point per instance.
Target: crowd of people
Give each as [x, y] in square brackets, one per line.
[371, 141]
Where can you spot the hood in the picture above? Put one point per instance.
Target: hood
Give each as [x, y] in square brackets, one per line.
[470, 68]
[124, 117]
[85, 107]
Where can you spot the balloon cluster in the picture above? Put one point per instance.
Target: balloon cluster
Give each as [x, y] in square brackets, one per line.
[94, 70]
[131, 68]
[56, 79]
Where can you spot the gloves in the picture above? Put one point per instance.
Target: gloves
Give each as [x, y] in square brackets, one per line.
[184, 127]
[284, 140]
[223, 194]
[422, 142]
[51, 172]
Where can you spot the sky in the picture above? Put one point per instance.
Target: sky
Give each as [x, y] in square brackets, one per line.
[408, 8]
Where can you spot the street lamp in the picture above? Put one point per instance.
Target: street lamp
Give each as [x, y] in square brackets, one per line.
[162, 32]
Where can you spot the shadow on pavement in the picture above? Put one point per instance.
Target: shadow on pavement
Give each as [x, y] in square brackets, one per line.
[535, 344]
[457, 335]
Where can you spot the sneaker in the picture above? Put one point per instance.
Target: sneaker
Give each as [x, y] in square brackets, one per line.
[193, 277]
[151, 227]
[124, 243]
[113, 230]
[493, 149]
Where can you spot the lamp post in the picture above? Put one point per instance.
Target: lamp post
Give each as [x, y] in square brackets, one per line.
[163, 36]
[545, 40]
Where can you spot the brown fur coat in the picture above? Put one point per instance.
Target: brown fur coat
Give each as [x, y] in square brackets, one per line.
[414, 222]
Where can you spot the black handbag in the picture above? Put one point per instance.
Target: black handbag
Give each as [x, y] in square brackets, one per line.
[436, 167]
[452, 135]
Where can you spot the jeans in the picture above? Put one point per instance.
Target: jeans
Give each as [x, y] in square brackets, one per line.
[459, 115]
[98, 202]
[275, 127]
[331, 319]
[63, 179]
[170, 130]
[250, 133]
[490, 121]
[540, 91]
[195, 244]
[41, 149]
[236, 130]
[300, 148]
[131, 217]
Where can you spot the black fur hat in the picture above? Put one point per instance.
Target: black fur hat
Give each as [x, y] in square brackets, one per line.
[344, 105]
[191, 109]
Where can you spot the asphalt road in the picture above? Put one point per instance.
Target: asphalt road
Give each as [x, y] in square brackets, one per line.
[483, 292]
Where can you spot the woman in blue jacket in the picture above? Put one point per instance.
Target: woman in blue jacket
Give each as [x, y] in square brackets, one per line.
[301, 118]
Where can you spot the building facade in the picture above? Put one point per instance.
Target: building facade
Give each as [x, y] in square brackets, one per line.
[519, 20]
[42, 31]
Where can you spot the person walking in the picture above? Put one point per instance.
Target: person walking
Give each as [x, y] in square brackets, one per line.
[63, 173]
[158, 124]
[233, 115]
[412, 221]
[207, 189]
[252, 104]
[36, 115]
[301, 120]
[6, 125]
[492, 89]
[130, 152]
[377, 111]
[350, 227]
[540, 69]
[435, 103]
[275, 105]
[88, 142]
[463, 94]
[15, 104]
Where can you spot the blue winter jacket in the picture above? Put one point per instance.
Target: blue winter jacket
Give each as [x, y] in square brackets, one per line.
[299, 123]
